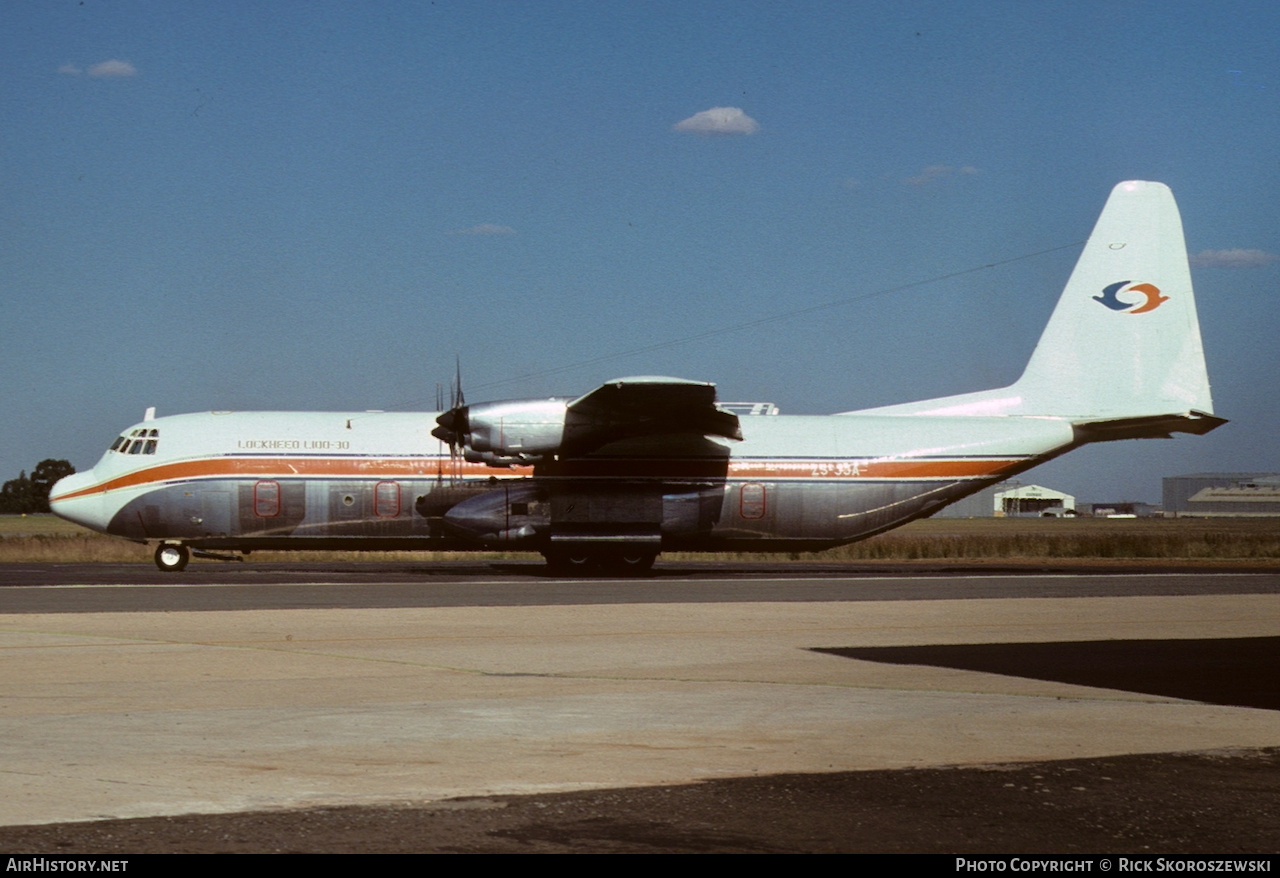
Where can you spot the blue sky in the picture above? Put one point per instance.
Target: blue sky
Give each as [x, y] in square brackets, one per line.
[319, 205]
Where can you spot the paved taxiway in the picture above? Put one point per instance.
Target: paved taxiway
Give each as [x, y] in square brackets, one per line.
[130, 694]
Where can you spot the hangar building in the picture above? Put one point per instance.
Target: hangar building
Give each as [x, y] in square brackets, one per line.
[1011, 499]
[1032, 501]
[1206, 495]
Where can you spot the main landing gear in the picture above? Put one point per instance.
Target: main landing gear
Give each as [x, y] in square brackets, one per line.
[576, 562]
[172, 557]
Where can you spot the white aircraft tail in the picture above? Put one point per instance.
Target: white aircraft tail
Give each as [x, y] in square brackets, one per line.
[1121, 356]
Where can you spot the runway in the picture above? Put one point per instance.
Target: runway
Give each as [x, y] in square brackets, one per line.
[88, 588]
[128, 693]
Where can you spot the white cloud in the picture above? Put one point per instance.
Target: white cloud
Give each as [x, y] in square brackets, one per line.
[719, 120]
[69, 70]
[485, 229]
[938, 172]
[113, 68]
[1237, 258]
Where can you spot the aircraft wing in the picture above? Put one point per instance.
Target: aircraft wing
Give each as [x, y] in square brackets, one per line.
[645, 406]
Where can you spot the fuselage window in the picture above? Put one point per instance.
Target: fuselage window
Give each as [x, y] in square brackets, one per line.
[386, 499]
[751, 501]
[266, 499]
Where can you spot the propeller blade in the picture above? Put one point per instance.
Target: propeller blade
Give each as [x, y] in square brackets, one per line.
[459, 400]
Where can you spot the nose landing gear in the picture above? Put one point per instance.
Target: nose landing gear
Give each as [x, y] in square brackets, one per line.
[172, 557]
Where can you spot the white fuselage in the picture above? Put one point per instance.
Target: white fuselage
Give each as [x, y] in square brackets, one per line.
[258, 479]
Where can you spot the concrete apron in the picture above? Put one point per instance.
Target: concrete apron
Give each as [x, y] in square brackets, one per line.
[136, 714]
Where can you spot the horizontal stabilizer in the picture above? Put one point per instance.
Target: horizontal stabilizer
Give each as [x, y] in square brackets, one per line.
[1155, 427]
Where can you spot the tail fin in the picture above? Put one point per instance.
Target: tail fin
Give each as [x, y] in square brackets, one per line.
[1124, 340]
[1121, 355]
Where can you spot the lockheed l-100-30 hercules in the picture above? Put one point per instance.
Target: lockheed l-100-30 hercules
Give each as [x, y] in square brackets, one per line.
[643, 465]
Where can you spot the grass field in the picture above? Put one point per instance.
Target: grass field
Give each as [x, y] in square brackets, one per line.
[1255, 541]
[12, 526]
[1195, 539]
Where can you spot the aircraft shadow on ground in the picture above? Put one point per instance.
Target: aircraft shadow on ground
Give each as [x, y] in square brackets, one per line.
[1238, 672]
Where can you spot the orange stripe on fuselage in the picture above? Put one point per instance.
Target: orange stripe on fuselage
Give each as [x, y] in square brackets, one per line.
[267, 467]
[430, 467]
[836, 468]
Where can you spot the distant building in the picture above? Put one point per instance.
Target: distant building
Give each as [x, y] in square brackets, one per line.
[1012, 499]
[1124, 509]
[1209, 495]
[1032, 501]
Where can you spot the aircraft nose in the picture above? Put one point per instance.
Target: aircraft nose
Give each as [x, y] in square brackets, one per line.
[70, 498]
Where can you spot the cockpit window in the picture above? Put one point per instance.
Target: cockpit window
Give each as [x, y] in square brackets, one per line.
[140, 441]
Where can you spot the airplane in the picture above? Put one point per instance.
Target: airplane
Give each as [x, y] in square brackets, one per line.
[608, 480]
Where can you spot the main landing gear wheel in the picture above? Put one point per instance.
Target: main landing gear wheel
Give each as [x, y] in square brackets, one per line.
[570, 563]
[580, 563]
[172, 557]
[629, 563]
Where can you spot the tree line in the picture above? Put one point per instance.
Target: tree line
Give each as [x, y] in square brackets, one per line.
[30, 493]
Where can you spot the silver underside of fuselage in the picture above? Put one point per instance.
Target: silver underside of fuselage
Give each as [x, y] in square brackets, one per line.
[528, 513]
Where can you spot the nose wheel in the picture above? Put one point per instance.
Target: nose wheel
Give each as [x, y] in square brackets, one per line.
[172, 557]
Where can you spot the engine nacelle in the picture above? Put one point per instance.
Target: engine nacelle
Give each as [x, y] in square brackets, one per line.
[493, 459]
[516, 431]
[517, 427]
[527, 431]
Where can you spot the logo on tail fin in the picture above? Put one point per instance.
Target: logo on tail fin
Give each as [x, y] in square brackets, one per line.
[1110, 298]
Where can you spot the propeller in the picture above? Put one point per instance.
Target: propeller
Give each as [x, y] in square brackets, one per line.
[439, 460]
[454, 424]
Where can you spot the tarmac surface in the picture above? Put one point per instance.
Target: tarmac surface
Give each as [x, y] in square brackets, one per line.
[381, 697]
